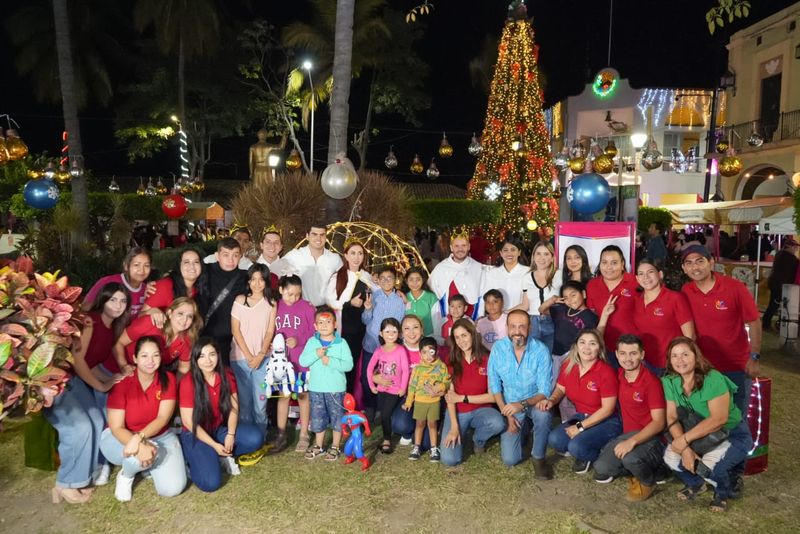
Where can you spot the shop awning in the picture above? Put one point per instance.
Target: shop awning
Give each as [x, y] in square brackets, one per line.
[728, 212]
[781, 223]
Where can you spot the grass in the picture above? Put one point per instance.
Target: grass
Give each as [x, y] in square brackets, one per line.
[288, 493]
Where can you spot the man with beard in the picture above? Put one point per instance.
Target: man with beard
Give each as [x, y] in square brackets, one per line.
[521, 375]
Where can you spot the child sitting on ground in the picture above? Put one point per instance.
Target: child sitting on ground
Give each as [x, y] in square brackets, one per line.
[492, 326]
[429, 381]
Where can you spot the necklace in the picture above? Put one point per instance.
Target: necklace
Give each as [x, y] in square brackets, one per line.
[572, 314]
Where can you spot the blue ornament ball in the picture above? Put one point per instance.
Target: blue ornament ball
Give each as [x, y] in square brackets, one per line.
[588, 193]
[41, 194]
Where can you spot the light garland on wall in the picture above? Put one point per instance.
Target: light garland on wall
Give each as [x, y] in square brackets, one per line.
[658, 98]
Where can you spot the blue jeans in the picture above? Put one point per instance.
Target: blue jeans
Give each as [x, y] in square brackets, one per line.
[168, 471]
[203, 461]
[485, 423]
[511, 443]
[252, 393]
[542, 329]
[403, 423]
[586, 445]
[79, 422]
[327, 410]
[742, 396]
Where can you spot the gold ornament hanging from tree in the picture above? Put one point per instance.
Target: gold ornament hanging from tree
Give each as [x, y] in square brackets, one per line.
[445, 148]
[576, 164]
[730, 166]
[603, 164]
[293, 161]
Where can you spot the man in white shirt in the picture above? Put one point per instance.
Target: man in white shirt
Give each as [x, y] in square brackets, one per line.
[314, 263]
[242, 236]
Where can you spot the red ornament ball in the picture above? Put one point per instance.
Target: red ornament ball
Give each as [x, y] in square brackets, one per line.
[174, 206]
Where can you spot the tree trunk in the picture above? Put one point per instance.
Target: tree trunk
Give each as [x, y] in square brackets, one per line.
[342, 74]
[364, 142]
[70, 109]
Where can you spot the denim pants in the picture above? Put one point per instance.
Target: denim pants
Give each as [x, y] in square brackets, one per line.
[203, 461]
[744, 383]
[542, 329]
[643, 462]
[511, 443]
[168, 471]
[79, 422]
[586, 445]
[403, 423]
[725, 467]
[252, 393]
[485, 424]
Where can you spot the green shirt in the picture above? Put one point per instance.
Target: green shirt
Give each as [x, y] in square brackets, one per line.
[714, 385]
[422, 308]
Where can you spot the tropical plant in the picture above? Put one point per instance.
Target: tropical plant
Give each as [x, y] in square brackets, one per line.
[726, 9]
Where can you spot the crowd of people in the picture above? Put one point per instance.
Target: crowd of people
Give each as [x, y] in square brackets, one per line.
[171, 375]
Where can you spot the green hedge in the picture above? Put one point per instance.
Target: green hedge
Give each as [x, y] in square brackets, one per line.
[454, 212]
[164, 260]
[648, 216]
[134, 207]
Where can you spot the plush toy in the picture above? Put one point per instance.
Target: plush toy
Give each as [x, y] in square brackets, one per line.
[280, 373]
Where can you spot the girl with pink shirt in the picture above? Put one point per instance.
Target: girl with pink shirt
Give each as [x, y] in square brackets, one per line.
[390, 361]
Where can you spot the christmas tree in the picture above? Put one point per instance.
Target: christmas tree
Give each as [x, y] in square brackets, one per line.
[515, 166]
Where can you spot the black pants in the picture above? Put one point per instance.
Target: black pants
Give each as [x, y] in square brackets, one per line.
[386, 403]
[773, 306]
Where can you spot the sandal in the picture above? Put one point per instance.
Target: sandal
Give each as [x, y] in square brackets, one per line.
[314, 451]
[688, 493]
[386, 447]
[718, 504]
[333, 454]
[302, 444]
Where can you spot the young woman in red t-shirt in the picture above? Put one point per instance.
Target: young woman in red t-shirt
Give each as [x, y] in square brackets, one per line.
[186, 279]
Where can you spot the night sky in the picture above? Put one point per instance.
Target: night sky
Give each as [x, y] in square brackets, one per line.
[655, 43]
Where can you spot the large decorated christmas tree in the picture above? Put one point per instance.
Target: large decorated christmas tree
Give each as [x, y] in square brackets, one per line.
[515, 167]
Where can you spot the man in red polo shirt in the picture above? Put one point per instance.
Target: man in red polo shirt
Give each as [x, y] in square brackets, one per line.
[722, 306]
[638, 452]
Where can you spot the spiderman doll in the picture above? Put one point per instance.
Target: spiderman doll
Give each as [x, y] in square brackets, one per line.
[351, 424]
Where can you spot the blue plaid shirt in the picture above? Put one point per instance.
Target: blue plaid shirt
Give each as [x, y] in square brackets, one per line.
[520, 381]
[383, 306]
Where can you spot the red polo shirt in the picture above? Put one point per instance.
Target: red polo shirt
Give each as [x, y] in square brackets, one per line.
[660, 322]
[141, 406]
[721, 314]
[473, 381]
[179, 349]
[187, 397]
[586, 392]
[621, 321]
[164, 295]
[637, 398]
[99, 348]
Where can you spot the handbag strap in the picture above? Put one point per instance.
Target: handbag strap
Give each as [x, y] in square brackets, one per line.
[221, 298]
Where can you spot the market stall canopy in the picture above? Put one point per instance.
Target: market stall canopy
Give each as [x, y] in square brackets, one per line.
[208, 211]
[728, 212]
[781, 223]
[699, 212]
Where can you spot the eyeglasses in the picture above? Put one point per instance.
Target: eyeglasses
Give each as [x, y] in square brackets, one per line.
[386, 278]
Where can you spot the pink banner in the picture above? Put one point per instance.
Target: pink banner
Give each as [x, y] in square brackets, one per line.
[594, 237]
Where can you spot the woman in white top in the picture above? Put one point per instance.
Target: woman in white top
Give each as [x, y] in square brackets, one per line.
[538, 287]
[508, 277]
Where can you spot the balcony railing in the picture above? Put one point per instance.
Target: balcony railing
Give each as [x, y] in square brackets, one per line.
[787, 126]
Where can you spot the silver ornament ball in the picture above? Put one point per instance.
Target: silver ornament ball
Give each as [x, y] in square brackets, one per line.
[339, 180]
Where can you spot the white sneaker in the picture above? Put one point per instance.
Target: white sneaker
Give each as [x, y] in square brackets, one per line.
[230, 466]
[102, 475]
[405, 442]
[124, 489]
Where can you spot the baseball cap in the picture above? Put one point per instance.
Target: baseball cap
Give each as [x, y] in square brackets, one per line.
[695, 249]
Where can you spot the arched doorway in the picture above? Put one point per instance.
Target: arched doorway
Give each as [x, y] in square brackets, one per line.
[767, 180]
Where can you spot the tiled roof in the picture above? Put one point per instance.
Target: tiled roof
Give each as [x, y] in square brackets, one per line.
[423, 190]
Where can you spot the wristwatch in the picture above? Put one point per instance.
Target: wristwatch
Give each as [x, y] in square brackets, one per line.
[579, 426]
[755, 356]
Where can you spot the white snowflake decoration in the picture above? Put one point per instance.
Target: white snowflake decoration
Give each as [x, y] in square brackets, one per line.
[492, 191]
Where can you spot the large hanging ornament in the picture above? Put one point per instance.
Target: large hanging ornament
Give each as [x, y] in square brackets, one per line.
[605, 83]
[445, 148]
[588, 193]
[161, 189]
[150, 190]
[62, 176]
[198, 185]
[391, 160]
[113, 187]
[730, 165]
[339, 179]
[576, 164]
[611, 149]
[755, 139]
[293, 161]
[186, 187]
[16, 147]
[174, 206]
[41, 194]
[3, 150]
[475, 147]
[678, 161]
[603, 164]
[492, 191]
[416, 165]
[433, 170]
[722, 146]
[651, 157]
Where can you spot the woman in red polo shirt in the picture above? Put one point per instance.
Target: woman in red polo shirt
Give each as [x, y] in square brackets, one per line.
[209, 408]
[469, 403]
[611, 280]
[660, 315]
[138, 438]
[181, 328]
[186, 279]
[591, 385]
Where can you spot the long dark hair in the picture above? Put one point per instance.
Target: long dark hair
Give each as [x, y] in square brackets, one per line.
[611, 248]
[178, 285]
[162, 373]
[479, 351]
[586, 270]
[202, 413]
[132, 253]
[263, 270]
[341, 274]
[105, 294]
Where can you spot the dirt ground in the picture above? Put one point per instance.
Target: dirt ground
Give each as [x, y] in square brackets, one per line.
[288, 493]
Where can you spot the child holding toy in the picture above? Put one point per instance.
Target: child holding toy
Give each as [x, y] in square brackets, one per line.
[295, 320]
[429, 380]
[390, 361]
[328, 358]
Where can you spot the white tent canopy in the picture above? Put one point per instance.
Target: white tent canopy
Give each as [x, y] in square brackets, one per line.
[781, 223]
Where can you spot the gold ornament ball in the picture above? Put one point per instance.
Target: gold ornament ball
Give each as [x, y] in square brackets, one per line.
[611, 150]
[62, 176]
[576, 164]
[730, 166]
[34, 174]
[532, 225]
[603, 164]
[722, 146]
[16, 147]
[3, 150]
[416, 165]
[161, 189]
[198, 187]
[293, 161]
[557, 193]
[445, 149]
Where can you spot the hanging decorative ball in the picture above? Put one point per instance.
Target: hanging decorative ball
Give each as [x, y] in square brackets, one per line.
[3, 149]
[198, 186]
[49, 171]
[293, 161]
[611, 149]
[186, 187]
[651, 157]
[16, 147]
[605, 82]
[433, 170]
[161, 189]
[722, 146]
[755, 139]
[532, 225]
[150, 190]
[445, 148]
[577, 151]
[557, 192]
[416, 165]
[34, 174]
[588, 193]
[339, 179]
[76, 171]
[475, 147]
[41, 194]
[576, 164]
[391, 159]
[560, 161]
[730, 166]
[603, 164]
[492, 191]
[141, 189]
[113, 187]
[63, 176]
[174, 206]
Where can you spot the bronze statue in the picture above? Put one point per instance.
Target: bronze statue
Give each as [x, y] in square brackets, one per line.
[259, 156]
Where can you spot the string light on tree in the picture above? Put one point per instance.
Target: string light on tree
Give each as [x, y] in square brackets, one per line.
[183, 141]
